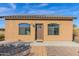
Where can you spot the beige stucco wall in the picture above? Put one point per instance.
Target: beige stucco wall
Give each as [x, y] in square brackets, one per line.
[11, 32]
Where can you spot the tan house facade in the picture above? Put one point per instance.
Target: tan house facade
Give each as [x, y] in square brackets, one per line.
[31, 28]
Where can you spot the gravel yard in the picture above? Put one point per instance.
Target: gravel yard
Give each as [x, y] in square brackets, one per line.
[14, 48]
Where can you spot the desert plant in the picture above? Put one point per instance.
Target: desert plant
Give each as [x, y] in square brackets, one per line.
[2, 37]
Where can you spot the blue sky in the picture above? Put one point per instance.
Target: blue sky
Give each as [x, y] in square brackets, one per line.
[61, 9]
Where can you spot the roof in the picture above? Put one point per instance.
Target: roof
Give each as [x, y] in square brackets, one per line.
[36, 17]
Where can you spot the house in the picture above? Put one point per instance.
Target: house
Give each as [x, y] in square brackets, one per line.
[38, 28]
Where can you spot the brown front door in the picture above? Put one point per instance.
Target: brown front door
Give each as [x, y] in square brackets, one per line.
[39, 36]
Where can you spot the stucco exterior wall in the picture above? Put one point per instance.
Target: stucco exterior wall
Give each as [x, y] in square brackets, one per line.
[12, 33]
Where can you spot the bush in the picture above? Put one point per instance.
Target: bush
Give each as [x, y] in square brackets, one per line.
[2, 37]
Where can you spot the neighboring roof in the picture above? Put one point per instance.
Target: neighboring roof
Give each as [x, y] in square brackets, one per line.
[36, 17]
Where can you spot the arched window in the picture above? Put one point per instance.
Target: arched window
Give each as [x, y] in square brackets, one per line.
[24, 29]
[53, 29]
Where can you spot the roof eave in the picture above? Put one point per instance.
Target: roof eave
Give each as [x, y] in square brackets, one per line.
[38, 17]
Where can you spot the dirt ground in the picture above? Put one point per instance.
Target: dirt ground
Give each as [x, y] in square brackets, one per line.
[55, 49]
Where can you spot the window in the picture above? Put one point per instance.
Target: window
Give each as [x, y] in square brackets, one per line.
[53, 29]
[24, 29]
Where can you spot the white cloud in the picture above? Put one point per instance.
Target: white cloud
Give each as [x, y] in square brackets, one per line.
[28, 6]
[41, 12]
[7, 9]
[13, 5]
[4, 9]
[43, 4]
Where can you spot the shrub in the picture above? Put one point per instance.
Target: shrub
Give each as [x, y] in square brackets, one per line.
[2, 37]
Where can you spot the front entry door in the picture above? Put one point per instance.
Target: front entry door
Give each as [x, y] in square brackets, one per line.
[39, 36]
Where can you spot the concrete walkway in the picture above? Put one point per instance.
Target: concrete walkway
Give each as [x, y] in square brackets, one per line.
[56, 43]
